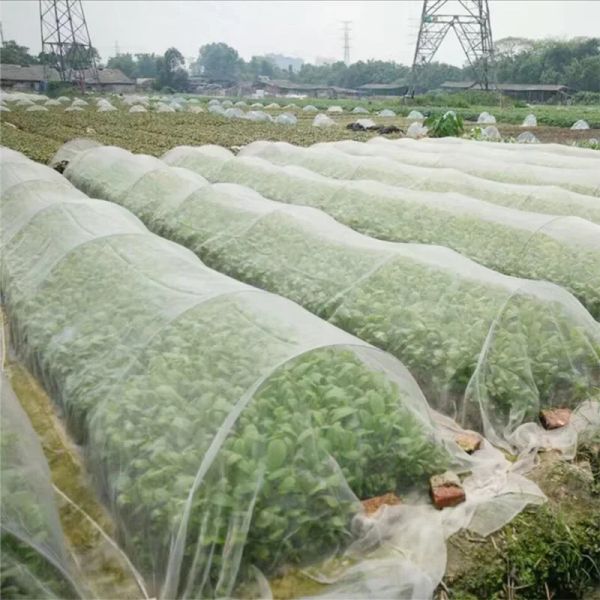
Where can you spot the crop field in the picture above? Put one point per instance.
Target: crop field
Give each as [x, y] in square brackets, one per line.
[254, 359]
[40, 134]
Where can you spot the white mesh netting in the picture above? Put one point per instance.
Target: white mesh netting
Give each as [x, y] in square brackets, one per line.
[35, 560]
[479, 371]
[227, 428]
[564, 250]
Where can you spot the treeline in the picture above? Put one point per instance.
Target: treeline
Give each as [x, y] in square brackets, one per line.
[575, 63]
[221, 62]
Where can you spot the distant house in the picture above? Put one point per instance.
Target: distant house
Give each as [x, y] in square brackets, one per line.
[109, 80]
[399, 88]
[35, 78]
[530, 92]
[32, 78]
[200, 84]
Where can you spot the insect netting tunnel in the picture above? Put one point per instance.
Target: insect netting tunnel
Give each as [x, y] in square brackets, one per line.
[382, 161]
[544, 155]
[228, 430]
[487, 349]
[548, 198]
[563, 250]
[532, 154]
[36, 562]
[583, 179]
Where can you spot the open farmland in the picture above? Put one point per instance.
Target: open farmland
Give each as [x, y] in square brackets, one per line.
[40, 134]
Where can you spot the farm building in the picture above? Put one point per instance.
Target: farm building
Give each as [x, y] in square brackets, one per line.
[35, 78]
[399, 88]
[109, 80]
[530, 92]
[32, 78]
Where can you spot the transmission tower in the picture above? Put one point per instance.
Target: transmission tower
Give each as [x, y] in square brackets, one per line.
[66, 40]
[346, 31]
[470, 20]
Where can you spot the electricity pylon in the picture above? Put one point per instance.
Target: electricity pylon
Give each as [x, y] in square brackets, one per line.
[470, 20]
[346, 31]
[66, 40]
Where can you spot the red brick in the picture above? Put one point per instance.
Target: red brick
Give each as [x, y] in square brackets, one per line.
[554, 418]
[469, 442]
[446, 490]
[446, 496]
[372, 505]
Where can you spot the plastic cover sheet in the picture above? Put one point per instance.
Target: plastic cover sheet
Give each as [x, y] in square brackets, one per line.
[564, 250]
[228, 429]
[341, 165]
[459, 327]
[35, 559]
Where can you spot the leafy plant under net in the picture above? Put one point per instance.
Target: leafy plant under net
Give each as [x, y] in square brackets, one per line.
[227, 428]
[563, 250]
[35, 560]
[532, 344]
[545, 199]
[543, 156]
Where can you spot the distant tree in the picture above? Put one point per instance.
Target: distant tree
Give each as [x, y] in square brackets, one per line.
[171, 71]
[80, 57]
[77, 56]
[218, 62]
[574, 62]
[125, 63]
[146, 65]
[259, 66]
[13, 54]
[511, 46]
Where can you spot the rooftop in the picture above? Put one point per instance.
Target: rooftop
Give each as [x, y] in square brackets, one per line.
[384, 86]
[30, 73]
[108, 76]
[507, 87]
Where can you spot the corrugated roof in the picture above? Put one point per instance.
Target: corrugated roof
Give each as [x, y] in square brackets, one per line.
[383, 86]
[341, 90]
[108, 76]
[290, 85]
[507, 87]
[30, 73]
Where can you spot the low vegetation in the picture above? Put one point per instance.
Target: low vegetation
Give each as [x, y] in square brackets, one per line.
[40, 134]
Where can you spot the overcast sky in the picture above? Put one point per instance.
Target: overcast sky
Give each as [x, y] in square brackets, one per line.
[382, 30]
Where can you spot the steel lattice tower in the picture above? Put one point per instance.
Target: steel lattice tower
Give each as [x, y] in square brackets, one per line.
[346, 31]
[470, 20]
[66, 40]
